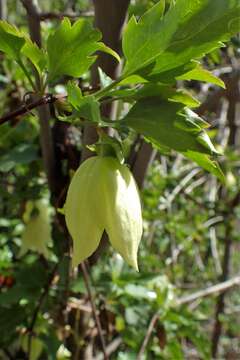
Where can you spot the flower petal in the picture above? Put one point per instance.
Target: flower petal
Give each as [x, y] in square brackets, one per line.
[82, 211]
[123, 220]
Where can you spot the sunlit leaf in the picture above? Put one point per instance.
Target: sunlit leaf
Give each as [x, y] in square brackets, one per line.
[71, 49]
[189, 30]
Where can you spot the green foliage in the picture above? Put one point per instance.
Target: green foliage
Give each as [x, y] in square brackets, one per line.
[35, 55]
[198, 73]
[11, 40]
[76, 44]
[186, 32]
[170, 125]
[20, 154]
[86, 107]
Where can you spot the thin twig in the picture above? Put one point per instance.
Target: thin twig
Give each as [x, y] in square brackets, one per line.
[111, 348]
[46, 99]
[52, 15]
[150, 329]
[212, 290]
[26, 108]
[181, 185]
[94, 310]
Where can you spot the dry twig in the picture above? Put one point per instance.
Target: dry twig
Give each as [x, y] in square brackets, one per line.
[212, 290]
[94, 310]
[26, 108]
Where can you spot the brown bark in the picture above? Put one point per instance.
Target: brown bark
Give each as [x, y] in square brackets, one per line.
[43, 111]
[144, 158]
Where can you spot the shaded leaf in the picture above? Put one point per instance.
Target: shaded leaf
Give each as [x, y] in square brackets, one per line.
[167, 123]
[202, 26]
[201, 74]
[11, 40]
[20, 154]
[167, 93]
[170, 76]
[206, 163]
[11, 318]
[36, 55]
[170, 125]
[89, 109]
[86, 107]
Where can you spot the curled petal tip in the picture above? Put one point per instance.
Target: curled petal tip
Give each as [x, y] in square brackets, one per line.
[133, 263]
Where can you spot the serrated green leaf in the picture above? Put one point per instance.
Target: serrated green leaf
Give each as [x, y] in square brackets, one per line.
[167, 93]
[128, 94]
[160, 120]
[202, 27]
[71, 47]
[164, 92]
[184, 97]
[132, 80]
[170, 76]
[142, 38]
[196, 119]
[171, 126]
[206, 163]
[11, 40]
[204, 139]
[34, 54]
[189, 30]
[201, 74]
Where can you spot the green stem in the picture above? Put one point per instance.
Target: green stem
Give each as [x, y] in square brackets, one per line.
[104, 92]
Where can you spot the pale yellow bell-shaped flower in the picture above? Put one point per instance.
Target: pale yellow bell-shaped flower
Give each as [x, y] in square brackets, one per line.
[37, 232]
[103, 195]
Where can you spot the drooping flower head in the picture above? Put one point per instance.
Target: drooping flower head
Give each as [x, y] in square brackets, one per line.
[103, 195]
